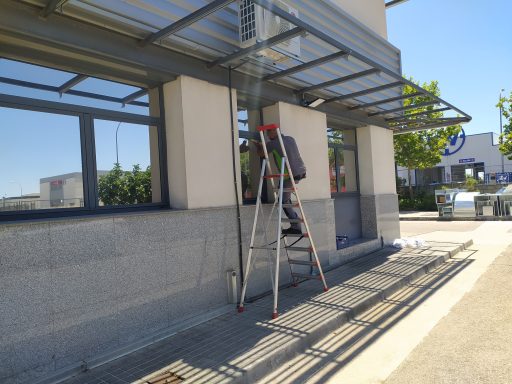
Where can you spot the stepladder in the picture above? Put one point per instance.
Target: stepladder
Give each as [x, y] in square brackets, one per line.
[293, 245]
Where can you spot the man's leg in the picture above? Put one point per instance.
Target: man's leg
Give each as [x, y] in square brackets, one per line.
[290, 212]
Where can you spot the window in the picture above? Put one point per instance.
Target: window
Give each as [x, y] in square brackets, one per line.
[40, 161]
[342, 161]
[65, 159]
[126, 163]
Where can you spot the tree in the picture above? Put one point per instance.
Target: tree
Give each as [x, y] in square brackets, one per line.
[505, 104]
[420, 150]
[120, 187]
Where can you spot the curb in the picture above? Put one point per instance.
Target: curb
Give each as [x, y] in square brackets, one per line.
[267, 363]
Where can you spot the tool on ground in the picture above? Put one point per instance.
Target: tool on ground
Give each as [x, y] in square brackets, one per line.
[292, 250]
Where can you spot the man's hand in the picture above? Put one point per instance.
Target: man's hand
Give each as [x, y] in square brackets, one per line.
[244, 147]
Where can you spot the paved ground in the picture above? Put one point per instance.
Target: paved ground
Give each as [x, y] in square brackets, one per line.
[454, 325]
[473, 343]
[243, 347]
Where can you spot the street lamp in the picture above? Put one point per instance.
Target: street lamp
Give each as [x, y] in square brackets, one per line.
[501, 133]
[21, 189]
[117, 149]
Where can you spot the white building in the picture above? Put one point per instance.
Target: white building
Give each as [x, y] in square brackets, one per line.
[476, 156]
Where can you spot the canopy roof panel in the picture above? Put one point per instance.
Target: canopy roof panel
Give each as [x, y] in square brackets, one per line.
[343, 65]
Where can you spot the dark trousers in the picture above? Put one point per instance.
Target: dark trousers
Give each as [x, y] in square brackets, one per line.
[287, 199]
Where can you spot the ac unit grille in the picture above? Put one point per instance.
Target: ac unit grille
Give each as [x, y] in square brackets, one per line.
[247, 20]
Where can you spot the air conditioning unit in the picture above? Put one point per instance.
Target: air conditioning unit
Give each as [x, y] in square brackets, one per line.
[258, 24]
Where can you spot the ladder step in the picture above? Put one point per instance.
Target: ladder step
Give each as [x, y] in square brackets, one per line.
[305, 276]
[300, 249]
[277, 176]
[271, 247]
[303, 262]
[306, 235]
[287, 220]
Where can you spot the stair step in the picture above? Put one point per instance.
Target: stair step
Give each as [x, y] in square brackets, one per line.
[287, 220]
[305, 276]
[303, 262]
[300, 249]
[305, 235]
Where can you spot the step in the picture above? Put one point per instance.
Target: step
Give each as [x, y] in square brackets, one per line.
[303, 262]
[300, 249]
[305, 235]
[245, 347]
[306, 276]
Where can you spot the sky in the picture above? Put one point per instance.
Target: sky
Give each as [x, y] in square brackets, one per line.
[465, 45]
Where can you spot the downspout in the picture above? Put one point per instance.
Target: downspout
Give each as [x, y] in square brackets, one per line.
[235, 178]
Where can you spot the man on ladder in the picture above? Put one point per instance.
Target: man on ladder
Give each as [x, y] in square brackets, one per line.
[298, 171]
[291, 169]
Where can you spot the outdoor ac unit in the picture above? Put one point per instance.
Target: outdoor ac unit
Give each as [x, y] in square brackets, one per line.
[258, 24]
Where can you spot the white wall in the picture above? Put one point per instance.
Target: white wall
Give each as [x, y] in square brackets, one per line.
[376, 161]
[371, 13]
[309, 129]
[199, 144]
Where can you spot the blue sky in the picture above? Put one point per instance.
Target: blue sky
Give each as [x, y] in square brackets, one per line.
[465, 45]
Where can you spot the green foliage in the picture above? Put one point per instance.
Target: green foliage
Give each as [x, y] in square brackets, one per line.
[420, 150]
[471, 184]
[418, 203]
[505, 104]
[120, 187]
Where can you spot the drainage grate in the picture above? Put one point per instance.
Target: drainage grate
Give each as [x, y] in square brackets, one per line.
[167, 377]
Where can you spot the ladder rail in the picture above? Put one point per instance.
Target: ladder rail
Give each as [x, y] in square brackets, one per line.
[253, 233]
[282, 241]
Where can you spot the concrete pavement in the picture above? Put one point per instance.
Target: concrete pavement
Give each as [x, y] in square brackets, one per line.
[417, 327]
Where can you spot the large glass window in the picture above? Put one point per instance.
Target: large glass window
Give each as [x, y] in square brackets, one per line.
[40, 161]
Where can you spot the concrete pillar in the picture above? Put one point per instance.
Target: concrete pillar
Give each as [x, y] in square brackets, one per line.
[199, 144]
[309, 129]
[379, 200]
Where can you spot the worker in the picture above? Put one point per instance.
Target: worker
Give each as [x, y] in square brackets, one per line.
[297, 167]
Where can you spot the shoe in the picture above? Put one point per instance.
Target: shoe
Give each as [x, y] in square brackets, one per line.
[291, 231]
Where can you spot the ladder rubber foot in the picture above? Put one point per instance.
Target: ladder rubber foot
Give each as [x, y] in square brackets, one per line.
[240, 309]
[326, 289]
[274, 315]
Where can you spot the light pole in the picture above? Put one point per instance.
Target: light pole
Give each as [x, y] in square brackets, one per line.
[501, 133]
[21, 189]
[117, 148]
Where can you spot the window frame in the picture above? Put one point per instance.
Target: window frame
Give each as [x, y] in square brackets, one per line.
[86, 116]
[343, 147]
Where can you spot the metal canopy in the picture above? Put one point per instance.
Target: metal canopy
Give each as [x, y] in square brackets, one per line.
[357, 74]
[67, 88]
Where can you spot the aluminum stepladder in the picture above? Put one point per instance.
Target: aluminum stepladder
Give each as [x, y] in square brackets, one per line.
[276, 246]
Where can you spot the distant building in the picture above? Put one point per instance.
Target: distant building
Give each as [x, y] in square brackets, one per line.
[476, 156]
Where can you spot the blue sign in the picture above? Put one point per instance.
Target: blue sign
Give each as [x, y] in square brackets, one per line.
[499, 177]
[469, 160]
[455, 143]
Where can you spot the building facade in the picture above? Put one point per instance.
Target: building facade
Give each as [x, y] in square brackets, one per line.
[477, 156]
[83, 284]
